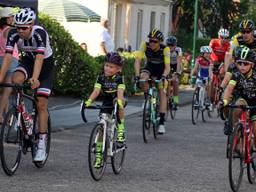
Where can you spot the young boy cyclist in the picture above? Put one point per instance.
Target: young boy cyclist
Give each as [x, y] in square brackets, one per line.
[245, 81]
[111, 84]
[202, 70]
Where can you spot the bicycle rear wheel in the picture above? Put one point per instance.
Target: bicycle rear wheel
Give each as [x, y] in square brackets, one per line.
[195, 107]
[146, 121]
[36, 138]
[96, 173]
[236, 164]
[251, 167]
[117, 159]
[10, 142]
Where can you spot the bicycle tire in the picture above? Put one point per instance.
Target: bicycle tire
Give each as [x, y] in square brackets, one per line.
[96, 173]
[251, 167]
[118, 151]
[156, 119]
[236, 153]
[195, 110]
[204, 116]
[10, 132]
[83, 112]
[230, 123]
[146, 121]
[48, 142]
[172, 112]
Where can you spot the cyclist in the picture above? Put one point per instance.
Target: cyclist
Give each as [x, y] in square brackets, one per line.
[245, 82]
[36, 66]
[175, 64]
[111, 83]
[202, 70]
[157, 67]
[6, 20]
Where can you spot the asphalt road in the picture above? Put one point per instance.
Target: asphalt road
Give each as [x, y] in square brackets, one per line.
[187, 158]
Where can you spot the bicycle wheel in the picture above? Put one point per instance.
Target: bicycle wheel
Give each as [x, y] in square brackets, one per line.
[146, 121]
[36, 138]
[195, 107]
[10, 142]
[251, 167]
[96, 173]
[83, 112]
[171, 108]
[236, 164]
[156, 115]
[117, 159]
[206, 115]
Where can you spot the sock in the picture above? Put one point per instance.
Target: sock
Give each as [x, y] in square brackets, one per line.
[161, 122]
[176, 99]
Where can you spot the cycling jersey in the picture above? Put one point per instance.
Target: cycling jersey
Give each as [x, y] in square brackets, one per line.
[218, 49]
[238, 40]
[156, 60]
[38, 42]
[232, 68]
[174, 54]
[109, 87]
[203, 66]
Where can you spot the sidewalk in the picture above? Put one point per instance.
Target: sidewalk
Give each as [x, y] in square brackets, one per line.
[65, 111]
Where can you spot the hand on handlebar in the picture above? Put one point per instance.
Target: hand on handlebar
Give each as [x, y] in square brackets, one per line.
[88, 103]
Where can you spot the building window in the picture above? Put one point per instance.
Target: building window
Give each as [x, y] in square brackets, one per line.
[139, 28]
[162, 22]
[152, 20]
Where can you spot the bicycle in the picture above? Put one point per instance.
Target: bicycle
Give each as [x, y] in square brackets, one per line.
[170, 102]
[198, 102]
[241, 149]
[14, 138]
[150, 110]
[107, 126]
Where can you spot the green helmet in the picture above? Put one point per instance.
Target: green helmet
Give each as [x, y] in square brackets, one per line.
[243, 53]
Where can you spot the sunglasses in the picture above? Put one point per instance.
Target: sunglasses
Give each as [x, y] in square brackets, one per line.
[243, 63]
[246, 32]
[153, 41]
[22, 28]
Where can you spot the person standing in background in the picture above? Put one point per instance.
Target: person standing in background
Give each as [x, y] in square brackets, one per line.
[6, 20]
[106, 41]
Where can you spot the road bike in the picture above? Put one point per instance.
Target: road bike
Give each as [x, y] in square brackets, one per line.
[150, 110]
[170, 102]
[14, 136]
[242, 154]
[107, 127]
[198, 102]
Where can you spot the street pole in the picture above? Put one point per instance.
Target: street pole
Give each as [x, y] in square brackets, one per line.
[195, 34]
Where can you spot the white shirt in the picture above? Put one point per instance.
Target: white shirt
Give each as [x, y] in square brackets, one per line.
[106, 38]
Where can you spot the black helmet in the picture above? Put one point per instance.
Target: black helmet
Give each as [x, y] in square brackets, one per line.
[114, 57]
[171, 40]
[155, 33]
[246, 24]
[243, 53]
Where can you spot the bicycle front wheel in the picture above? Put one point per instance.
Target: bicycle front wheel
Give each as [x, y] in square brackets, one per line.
[48, 141]
[10, 142]
[96, 172]
[146, 121]
[117, 159]
[251, 167]
[236, 164]
[195, 107]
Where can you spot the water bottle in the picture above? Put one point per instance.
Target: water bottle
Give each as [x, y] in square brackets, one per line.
[28, 120]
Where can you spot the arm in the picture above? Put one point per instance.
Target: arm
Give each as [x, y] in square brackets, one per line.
[102, 47]
[167, 61]
[95, 93]
[228, 93]
[138, 57]
[5, 65]
[36, 72]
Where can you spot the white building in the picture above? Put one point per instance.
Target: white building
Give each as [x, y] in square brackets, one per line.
[130, 21]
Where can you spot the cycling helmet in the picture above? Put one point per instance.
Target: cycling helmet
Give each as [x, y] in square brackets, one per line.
[155, 33]
[246, 24]
[114, 57]
[224, 33]
[243, 53]
[24, 17]
[205, 49]
[171, 40]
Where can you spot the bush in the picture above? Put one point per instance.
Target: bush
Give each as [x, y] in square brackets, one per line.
[75, 70]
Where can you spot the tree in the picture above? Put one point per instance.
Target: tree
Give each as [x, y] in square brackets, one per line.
[212, 14]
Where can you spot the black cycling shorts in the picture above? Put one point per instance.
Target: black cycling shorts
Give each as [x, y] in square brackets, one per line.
[154, 70]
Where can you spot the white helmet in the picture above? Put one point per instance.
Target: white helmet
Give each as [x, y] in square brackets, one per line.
[205, 49]
[223, 33]
[24, 17]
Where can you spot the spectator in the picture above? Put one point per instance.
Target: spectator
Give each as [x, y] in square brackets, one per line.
[84, 47]
[106, 42]
[6, 20]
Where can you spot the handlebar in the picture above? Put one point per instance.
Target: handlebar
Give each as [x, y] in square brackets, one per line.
[243, 107]
[16, 86]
